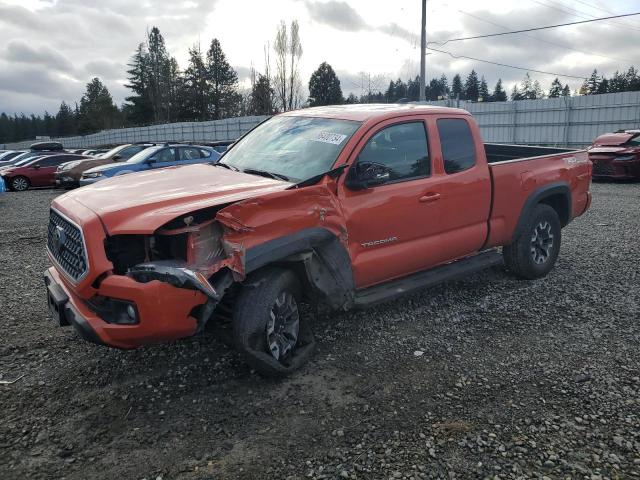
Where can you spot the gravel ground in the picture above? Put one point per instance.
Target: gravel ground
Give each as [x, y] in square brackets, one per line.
[486, 377]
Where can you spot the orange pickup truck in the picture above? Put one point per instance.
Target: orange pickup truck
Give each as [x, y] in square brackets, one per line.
[344, 206]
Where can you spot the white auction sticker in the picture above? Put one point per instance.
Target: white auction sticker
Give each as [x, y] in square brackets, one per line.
[328, 137]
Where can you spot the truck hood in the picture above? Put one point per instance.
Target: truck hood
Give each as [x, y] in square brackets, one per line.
[140, 203]
[614, 139]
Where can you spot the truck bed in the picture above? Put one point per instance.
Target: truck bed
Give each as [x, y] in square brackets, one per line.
[518, 171]
[499, 152]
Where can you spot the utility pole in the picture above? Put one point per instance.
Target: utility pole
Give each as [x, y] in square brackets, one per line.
[423, 48]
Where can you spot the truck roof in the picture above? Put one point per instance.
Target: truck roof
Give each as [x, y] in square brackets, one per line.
[367, 111]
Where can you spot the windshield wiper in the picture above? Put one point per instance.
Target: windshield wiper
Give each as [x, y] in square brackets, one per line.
[333, 173]
[264, 173]
[226, 165]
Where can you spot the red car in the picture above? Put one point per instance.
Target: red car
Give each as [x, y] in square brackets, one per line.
[39, 172]
[616, 155]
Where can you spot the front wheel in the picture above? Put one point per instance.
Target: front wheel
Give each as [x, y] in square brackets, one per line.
[19, 184]
[534, 253]
[267, 326]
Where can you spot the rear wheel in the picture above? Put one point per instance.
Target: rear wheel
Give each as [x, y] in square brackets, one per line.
[267, 326]
[534, 253]
[20, 184]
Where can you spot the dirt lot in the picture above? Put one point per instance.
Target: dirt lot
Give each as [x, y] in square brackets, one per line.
[516, 379]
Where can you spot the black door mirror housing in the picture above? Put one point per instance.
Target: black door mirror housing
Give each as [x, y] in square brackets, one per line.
[116, 157]
[364, 175]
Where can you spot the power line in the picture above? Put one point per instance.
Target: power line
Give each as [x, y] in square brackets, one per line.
[580, 14]
[546, 41]
[453, 55]
[534, 29]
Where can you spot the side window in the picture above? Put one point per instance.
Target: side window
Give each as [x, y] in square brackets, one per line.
[402, 149]
[165, 155]
[189, 153]
[53, 161]
[458, 147]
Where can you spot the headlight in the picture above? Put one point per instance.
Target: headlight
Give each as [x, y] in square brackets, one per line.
[92, 175]
[625, 158]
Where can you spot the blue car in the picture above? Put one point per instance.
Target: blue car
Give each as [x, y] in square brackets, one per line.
[2, 187]
[167, 155]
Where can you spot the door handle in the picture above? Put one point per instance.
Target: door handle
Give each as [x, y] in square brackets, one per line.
[429, 197]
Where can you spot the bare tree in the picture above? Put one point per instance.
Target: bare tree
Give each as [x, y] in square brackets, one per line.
[295, 52]
[281, 48]
[288, 50]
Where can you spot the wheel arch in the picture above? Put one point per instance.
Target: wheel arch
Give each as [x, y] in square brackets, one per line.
[317, 257]
[556, 195]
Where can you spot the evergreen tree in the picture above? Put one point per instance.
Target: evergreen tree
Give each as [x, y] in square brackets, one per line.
[618, 82]
[556, 89]
[472, 87]
[223, 79]
[262, 97]
[351, 99]
[324, 87]
[566, 91]
[196, 88]
[604, 86]
[138, 109]
[156, 62]
[591, 84]
[499, 95]
[632, 80]
[516, 94]
[456, 87]
[97, 110]
[65, 121]
[483, 92]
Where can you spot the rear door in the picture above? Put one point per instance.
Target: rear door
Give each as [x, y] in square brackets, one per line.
[465, 184]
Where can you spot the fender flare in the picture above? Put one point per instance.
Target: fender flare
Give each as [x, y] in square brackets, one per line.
[538, 196]
[326, 262]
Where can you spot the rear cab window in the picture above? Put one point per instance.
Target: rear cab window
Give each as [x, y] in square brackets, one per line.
[457, 144]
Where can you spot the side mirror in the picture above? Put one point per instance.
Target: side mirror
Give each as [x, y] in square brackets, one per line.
[116, 157]
[151, 160]
[36, 167]
[367, 174]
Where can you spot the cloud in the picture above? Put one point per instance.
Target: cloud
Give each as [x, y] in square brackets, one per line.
[337, 14]
[20, 52]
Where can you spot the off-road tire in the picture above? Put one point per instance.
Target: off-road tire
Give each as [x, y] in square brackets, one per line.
[19, 184]
[523, 256]
[253, 312]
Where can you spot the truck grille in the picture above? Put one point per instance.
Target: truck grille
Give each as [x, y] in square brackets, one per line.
[66, 245]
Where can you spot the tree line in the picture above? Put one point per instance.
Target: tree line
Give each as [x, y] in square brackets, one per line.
[209, 89]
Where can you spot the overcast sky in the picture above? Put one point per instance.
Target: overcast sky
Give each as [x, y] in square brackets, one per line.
[50, 49]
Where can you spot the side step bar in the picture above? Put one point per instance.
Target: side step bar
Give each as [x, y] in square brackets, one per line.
[428, 278]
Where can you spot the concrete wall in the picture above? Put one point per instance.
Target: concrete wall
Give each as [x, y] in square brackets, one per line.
[570, 121]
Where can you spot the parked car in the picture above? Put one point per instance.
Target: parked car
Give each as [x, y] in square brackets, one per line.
[35, 172]
[616, 155]
[3, 188]
[68, 174]
[9, 154]
[219, 146]
[346, 205]
[160, 156]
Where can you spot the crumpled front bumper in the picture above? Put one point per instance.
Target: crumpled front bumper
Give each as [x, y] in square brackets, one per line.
[164, 311]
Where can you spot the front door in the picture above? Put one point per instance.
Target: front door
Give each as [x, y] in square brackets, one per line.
[394, 228]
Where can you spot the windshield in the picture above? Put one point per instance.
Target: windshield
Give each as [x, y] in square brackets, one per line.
[294, 147]
[24, 156]
[25, 160]
[113, 151]
[143, 155]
